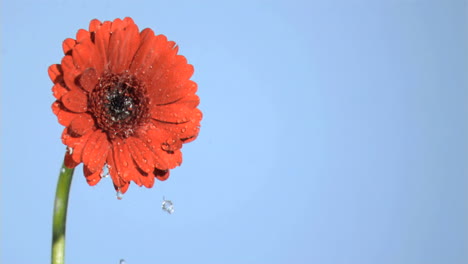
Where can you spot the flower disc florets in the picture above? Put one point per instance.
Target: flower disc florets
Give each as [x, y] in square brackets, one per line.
[119, 104]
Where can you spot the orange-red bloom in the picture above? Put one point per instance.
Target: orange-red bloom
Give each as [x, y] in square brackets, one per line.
[126, 101]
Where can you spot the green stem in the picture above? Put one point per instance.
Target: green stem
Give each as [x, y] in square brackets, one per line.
[60, 215]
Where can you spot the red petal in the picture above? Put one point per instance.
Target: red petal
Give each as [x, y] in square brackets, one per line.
[82, 35]
[180, 112]
[95, 151]
[122, 159]
[81, 124]
[172, 83]
[161, 175]
[76, 143]
[58, 90]
[69, 162]
[140, 154]
[68, 45]
[55, 73]
[101, 40]
[148, 180]
[94, 25]
[117, 24]
[89, 79]
[70, 72]
[64, 117]
[122, 47]
[86, 55]
[145, 55]
[75, 101]
[155, 138]
[155, 55]
[180, 70]
[186, 131]
[119, 183]
[92, 177]
[128, 21]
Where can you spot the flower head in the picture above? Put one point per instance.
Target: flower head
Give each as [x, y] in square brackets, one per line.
[127, 102]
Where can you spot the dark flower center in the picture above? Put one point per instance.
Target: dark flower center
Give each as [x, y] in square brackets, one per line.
[119, 104]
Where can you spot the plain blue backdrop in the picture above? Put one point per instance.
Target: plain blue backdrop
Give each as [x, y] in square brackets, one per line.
[334, 132]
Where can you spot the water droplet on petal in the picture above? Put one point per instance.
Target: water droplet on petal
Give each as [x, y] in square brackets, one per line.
[167, 206]
[145, 160]
[183, 130]
[69, 150]
[125, 163]
[105, 171]
[119, 195]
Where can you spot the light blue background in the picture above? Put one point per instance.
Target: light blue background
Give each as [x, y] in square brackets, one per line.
[333, 132]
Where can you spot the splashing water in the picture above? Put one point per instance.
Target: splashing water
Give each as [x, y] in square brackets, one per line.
[167, 206]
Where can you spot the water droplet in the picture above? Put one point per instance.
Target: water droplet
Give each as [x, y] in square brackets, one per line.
[121, 150]
[122, 261]
[125, 163]
[69, 150]
[183, 130]
[148, 140]
[119, 195]
[145, 160]
[105, 171]
[167, 206]
[62, 170]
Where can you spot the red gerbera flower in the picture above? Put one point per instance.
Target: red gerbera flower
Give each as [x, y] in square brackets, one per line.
[126, 102]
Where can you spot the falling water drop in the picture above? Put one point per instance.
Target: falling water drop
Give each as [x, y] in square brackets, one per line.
[119, 195]
[122, 261]
[167, 206]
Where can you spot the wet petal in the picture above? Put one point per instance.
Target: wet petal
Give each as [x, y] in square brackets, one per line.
[68, 45]
[70, 72]
[76, 143]
[69, 162]
[58, 90]
[122, 47]
[95, 151]
[114, 171]
[89, 79]
[161, 175]
[63, 115]
[55, 73]
[81, 124]
[75, 101]
[92, 178]
[140, 154]
[180, 112]
[86, 55]
[101, 40]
